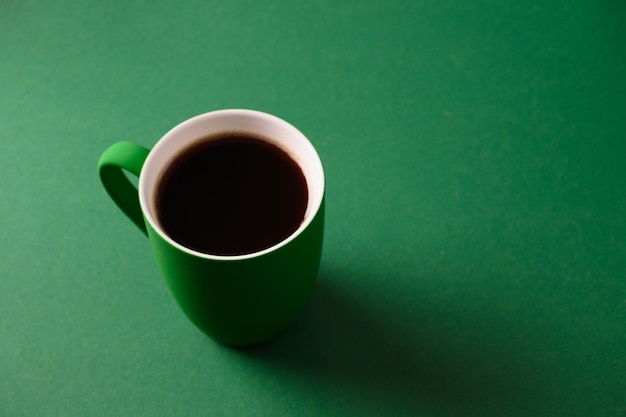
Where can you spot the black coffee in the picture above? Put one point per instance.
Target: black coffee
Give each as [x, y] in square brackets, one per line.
[232, 195]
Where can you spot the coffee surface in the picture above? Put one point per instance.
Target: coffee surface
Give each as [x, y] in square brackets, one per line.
[232, 194]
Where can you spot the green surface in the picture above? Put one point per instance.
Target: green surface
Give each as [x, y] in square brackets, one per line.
[475, 253]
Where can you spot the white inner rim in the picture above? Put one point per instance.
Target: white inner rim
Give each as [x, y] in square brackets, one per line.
[269, 127]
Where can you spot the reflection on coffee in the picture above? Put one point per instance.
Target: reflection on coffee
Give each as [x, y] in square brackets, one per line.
[232, 194]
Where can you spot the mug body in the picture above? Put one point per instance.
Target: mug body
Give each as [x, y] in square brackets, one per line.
[244, 299]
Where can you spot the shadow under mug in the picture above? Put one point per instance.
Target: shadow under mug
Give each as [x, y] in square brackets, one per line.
[237, 300]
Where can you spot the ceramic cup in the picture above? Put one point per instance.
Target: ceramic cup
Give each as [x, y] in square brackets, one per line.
[237, 300]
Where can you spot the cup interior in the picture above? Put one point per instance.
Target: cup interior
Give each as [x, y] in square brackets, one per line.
[208, 125]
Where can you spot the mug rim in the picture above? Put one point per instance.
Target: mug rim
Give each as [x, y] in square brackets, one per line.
[162, 162]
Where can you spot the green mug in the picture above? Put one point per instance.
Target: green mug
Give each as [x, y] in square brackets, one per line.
[237, 300]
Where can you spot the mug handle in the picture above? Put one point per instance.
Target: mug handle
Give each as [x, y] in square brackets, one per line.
[123, 156]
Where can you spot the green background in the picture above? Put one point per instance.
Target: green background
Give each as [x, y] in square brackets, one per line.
[475, 252]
